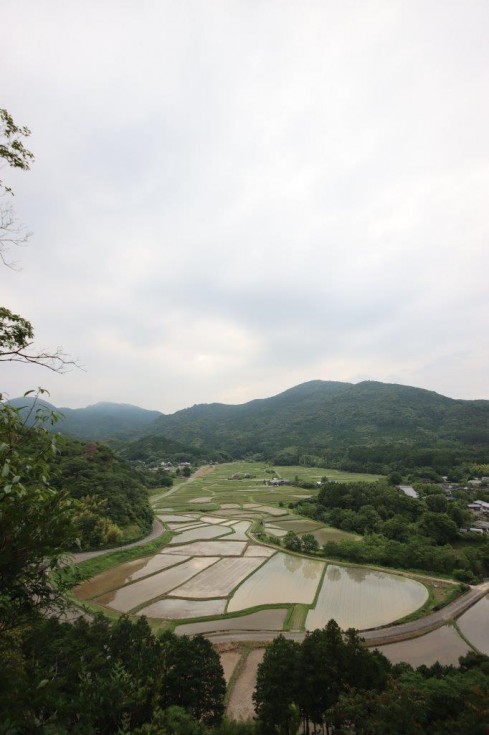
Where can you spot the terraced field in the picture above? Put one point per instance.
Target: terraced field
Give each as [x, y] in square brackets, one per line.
[214, 574]
[215, 577]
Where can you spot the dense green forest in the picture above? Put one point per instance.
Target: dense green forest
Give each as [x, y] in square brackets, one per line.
[153, 449]
[118, 421]
[399, 531]
[111, 497]
[102, 677]
[323, 419]
[367, 427]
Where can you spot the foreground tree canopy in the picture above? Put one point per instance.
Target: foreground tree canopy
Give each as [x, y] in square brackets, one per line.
[107, 678]
[332, 682]
[36, 523]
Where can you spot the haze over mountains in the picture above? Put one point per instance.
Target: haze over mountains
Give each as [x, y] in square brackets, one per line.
[310, 417]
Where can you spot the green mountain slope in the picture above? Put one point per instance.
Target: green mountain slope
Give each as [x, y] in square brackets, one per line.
[365, 426]
[100, 421]
[319, 415]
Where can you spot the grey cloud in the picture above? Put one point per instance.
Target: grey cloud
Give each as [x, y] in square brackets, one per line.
[234, 197]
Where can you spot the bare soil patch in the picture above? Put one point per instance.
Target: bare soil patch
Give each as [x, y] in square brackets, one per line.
[240, 705]
[229, 661]
[203, 471]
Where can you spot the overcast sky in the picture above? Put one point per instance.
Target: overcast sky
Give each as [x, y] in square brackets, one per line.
[231, 198]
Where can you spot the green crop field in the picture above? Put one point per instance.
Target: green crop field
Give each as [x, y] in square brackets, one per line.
[242, 483]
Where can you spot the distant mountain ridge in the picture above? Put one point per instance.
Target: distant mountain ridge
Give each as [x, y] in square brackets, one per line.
[99, 421]
[313, 417]
[319, 414]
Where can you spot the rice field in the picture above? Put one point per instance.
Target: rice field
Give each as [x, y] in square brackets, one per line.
[256, 550]
[362, 599]
[240, 704]
[240, 529]
[220, 579]
[329, 533]
[212, 565]
[177, 609]
[124, 574]
[178, 519]
[217, 487]
[283, 578]
[298, 525]
[229, 661]
[198, 534]
[443, 645]
[272, 619]
[127, 598]
[474, 625]
[212, 519]
[209, 548]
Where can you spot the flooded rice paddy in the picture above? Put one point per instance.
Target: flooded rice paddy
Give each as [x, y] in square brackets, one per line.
[474, 625]
[360, 598]
[283, 578]
[443, 645]
[133, 595]
[206, 501]
[256, 550]
[212, 519]
[182, 526]
[272, 619]
[177, 609]
[126, 573]
[211, 566]
[169, 518]
[220, 580]
[209, 548]
[197, 534]
[239, 530]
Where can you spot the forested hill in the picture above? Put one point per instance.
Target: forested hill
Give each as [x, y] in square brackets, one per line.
[318, 416]
[100, 421]
[365, 426]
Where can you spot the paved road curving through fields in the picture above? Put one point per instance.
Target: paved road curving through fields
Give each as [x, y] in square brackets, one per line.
[157, 531]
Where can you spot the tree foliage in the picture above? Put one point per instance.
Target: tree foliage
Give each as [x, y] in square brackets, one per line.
[340, 686]
[277, 687]
[193, 677]
[36, 522]
[12, 148]
[14, 154]
[111, 500]
[106, 678]
[398, 531]
[306, 680]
